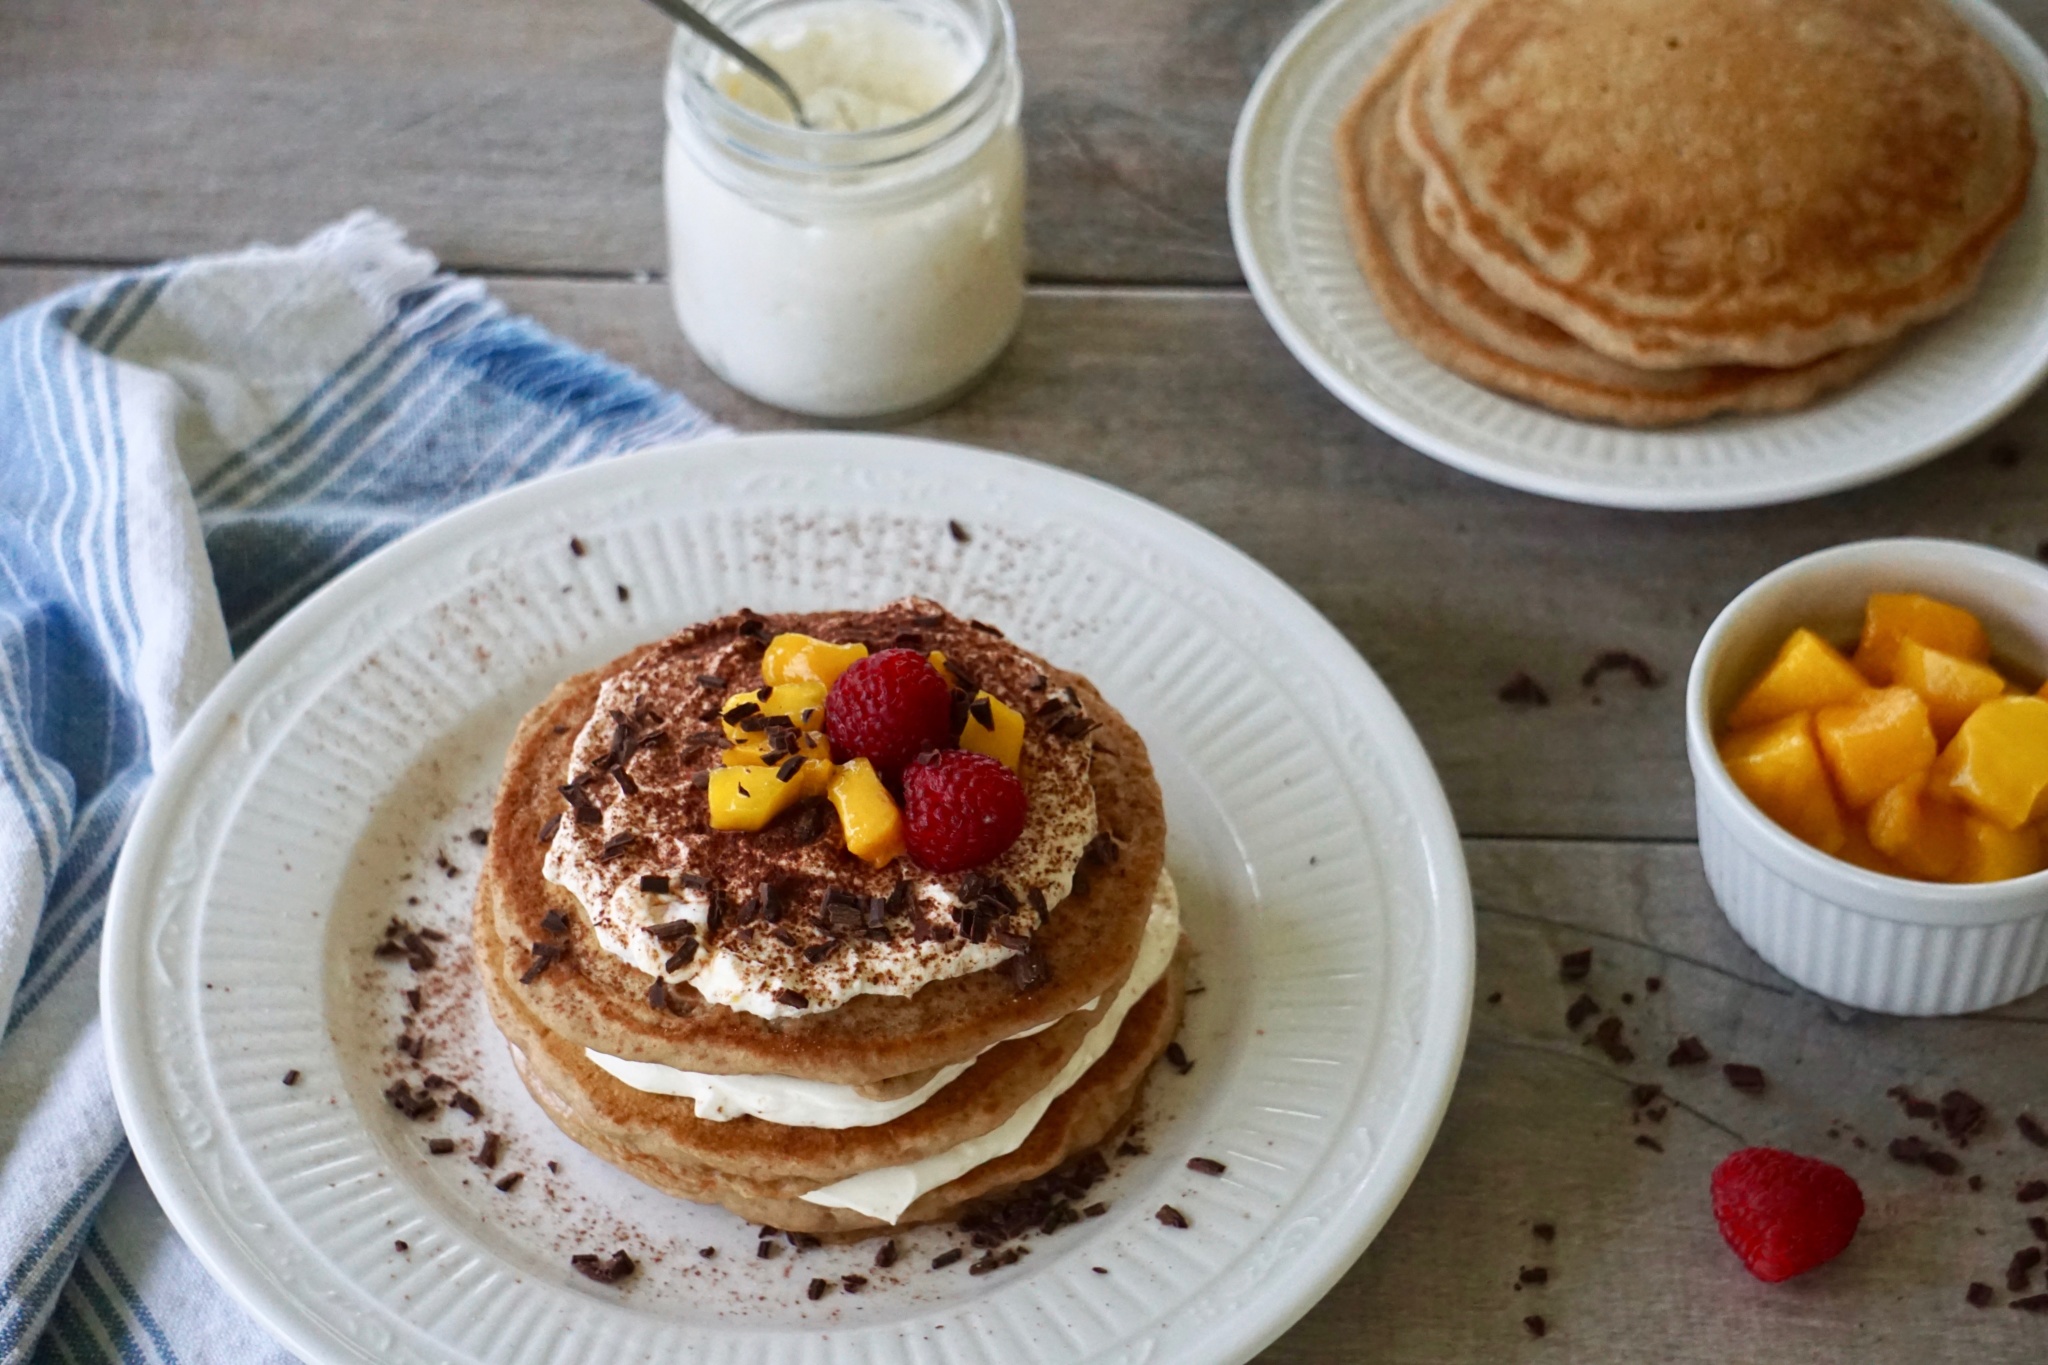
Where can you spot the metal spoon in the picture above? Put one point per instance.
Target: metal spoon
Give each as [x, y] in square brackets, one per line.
[688, 16]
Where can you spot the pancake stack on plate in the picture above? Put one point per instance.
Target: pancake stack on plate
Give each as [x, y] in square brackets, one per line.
[1653, 211]
[761, 1019]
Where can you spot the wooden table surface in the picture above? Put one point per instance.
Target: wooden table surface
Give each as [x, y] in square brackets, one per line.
[519, 139]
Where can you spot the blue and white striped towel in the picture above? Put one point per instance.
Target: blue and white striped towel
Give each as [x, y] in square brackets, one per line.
[186, 452]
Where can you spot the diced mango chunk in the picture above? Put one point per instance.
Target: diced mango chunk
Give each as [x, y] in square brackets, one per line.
[1890, 618]
[1951, 686]
[1002, 738]
[749, 798]
[1808, 673]
[868, 816]
[755, 753]
[1874, 743]
[1779, 767]
[1998, 761]
[1858, 851]
[1993, 854]
[794, 658]
[745, 715]
[1922, 834]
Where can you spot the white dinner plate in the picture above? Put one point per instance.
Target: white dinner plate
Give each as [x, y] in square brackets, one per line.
[1947, 383]
[331, 783]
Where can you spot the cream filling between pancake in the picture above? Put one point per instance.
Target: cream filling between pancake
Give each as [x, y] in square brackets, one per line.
[787, 1100]
[884, 1194]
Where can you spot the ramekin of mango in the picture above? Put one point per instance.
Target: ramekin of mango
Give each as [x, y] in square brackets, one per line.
[1868, 734]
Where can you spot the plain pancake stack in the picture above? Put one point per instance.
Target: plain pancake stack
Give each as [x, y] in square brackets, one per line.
[1653, 211]
[964, 1089]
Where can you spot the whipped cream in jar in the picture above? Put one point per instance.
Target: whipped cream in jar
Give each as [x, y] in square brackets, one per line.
[873, 264]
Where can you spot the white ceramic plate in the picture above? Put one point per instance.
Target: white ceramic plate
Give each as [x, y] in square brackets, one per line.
[331, 781]
[1946, 384]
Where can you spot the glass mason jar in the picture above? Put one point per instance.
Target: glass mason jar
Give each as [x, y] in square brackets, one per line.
[847, 274]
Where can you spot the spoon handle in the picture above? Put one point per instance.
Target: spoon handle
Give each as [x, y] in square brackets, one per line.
[687, 15]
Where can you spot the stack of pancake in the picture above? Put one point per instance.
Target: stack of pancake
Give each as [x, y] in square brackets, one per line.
[957, 1092]
[1653, 211]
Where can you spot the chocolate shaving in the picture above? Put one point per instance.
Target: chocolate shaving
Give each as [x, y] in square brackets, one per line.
[683, 956]
[545, 955]
[604, 1271]
[1171, 1216]
[1534, 1274]
[983, 711]
[617, 845]
[1178, 1059]
[675, 928]
[511, 1181]
[885, 1254]
[1574, 966]
[2037, 1303]
[467, 1103]
[794, 999]
[555, 922]
[1544, 1232]
[2031, 1129]
[791, 766]
[657, 994]
[853, 1284]
[576, 547]
[1534, 1322]
[1581, 1009]
[959, 532]
[2033, 1192]
[480, 836]
[1607, 1037]
[587, 811]
[1979, 1295]
[996, 1260]
[654, 883]
[766, 1250]
[414, 1104]
[1203, 1165]
[440, 1146]
[817, 1289]
[1523, 690]
[1644, 1140]
[946, 1258]
[818, 952]
[1621, 660]
[1962, 1116]
[2039, 1227]
[548, 828]
[1748, 1079]
[711, 680]
[291, 1077]
[1029, 969]
[2019, 1274]
[487, 1151]
[802, 1241]
[1689, 1052]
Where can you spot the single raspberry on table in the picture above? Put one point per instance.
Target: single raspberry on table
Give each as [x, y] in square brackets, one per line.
[960, 809]
[1783, 1213]
[888, 708]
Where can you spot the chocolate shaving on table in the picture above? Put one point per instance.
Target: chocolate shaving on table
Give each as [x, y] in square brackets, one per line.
[506, 1185]
[1544, 1232]
[292, 1077]
[2033, 1192]
[545, 955]
[555, 922]
[440, 1146]
[1644, 1140]
[1203, 1165]
[1580, 1010]
[1534, 1322]
[587, 811]
[2031, 1129]
[1979, 1294]
[1171, 1216]
[624, 594]
[2039, 1227]
[548, 828]
[885, 1254]
[996, 1260]
[1690, 1051]
[604, 1271]
[1523, 690]
[1574, 966]
[959, 532]
[576, 547]
[1748, 1079]
[853, 1284]
[480, 836]
[1607, 1037]
[2037, 1303]
[1177, 1058]
[1534, 1274]
[1913, 1106]
[1622, 661]
[817, 1289]
[802, 1241]
[1641, 1095]
[487, 1151]
[1962, 1116]
[946, 1258]
[2019, 1273]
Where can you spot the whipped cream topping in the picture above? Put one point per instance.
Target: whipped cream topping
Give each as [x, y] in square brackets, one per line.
[655, 825]
[884, 1194]
[786, 1099]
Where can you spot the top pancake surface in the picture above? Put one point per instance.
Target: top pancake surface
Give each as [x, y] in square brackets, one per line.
[1684, 182]
[597, 1001]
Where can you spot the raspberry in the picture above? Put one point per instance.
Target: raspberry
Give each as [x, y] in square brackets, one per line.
[1783, 1213]
[960, 809]
[888, 708]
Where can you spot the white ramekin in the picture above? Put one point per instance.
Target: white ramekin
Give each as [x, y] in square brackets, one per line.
[1862, 938]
